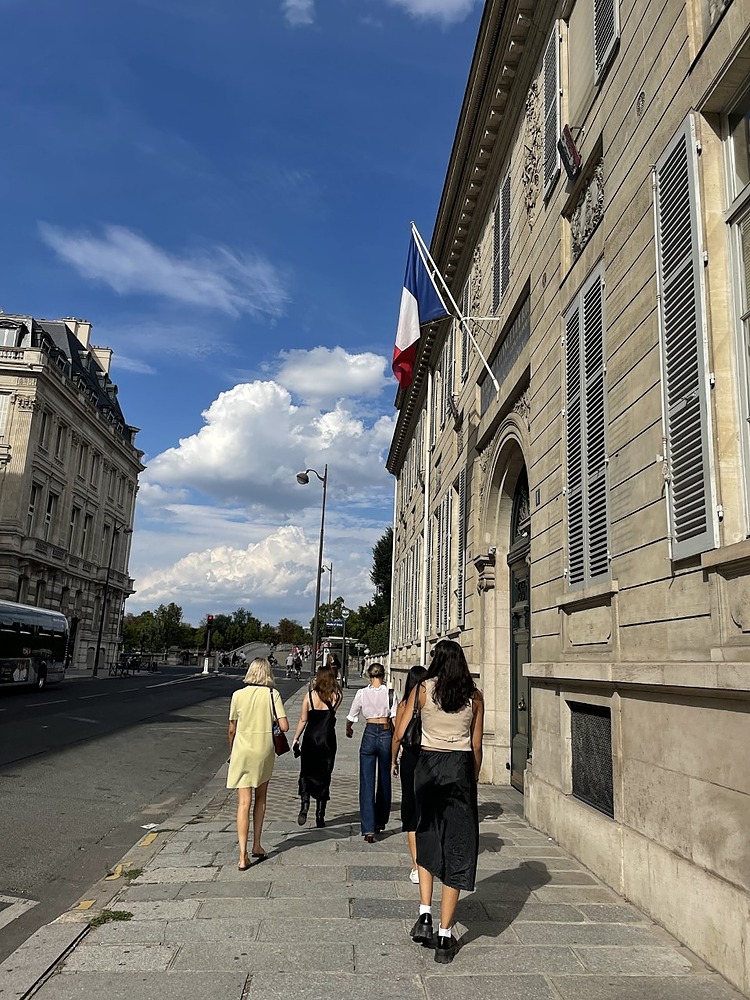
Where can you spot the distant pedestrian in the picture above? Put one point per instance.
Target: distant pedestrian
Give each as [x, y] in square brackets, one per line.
[404, 763]
[289, 662]
[445, 787]
[378, 704]
[317, 727]
[297, 666]
[252, 753]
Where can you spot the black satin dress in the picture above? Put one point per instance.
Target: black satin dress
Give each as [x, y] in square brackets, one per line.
[318, 752]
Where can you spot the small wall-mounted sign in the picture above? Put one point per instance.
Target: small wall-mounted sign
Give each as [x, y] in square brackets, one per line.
[571, 158]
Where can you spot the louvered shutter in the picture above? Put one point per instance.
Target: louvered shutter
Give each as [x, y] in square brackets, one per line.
[606, 33]
[496, 248]
[595, 493]
[415, 591]
[447, 549]
[551, 73]
[461, 553]
[428, 588]
[684, 349]
[439, 568]
[574, 447]
[505, 250]
[465, 309]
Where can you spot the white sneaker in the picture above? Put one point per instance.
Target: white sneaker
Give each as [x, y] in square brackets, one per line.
[414, 876]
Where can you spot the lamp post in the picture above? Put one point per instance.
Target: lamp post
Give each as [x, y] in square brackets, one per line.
[345, 665]
[303, 479]
[329, 567]
[105, 596]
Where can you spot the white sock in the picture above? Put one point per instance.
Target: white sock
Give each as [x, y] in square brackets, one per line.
[423, 908]
[442, 932]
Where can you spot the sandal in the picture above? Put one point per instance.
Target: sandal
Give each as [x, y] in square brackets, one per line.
[244, 868]
[260, 856]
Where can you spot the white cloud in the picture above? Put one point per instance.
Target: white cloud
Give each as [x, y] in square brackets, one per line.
[255, 439]
[327, 374]
[442, 10]
[122, 361]
[298, 12]
[216, 278]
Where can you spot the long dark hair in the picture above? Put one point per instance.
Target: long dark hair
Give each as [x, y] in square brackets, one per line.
[454, 685]
[415, 675]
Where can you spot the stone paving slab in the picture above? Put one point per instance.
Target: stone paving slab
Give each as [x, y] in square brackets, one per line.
[709, 987]
[224, 929]
[512, 960]
[146, 986]
[148, 893]
[635, 961]
[406, 910]
[319, 986]
[488, 988]
[585, 934]
[323, 891]
[127, 932]
[237, 889]
[325, 929]
[195, 859]
[168, 909]
[121, 958]
[268, 908]
[159, 875]
[266, 957]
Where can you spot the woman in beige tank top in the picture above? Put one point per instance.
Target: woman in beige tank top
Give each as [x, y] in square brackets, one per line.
[445, 789]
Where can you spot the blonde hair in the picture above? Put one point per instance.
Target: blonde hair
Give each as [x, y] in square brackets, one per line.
[259, 672]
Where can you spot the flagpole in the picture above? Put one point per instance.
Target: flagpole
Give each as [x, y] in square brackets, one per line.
[432, 269]
[426, 520]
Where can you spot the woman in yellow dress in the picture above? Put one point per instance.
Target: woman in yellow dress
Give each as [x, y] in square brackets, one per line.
[252, 754]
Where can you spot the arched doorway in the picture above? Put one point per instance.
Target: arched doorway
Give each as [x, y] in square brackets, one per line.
[519, 553]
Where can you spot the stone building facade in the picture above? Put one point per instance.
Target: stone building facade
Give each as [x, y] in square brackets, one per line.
[68, 480]
[584, 533]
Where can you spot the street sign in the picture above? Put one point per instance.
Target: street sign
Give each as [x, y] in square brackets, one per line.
[337, 623]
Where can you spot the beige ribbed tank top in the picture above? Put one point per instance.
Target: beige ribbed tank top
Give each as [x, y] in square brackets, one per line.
[444, 730]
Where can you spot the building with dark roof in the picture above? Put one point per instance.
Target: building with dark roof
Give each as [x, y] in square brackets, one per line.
[68, 480]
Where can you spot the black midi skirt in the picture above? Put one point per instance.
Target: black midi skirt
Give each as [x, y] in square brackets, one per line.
[447, 816]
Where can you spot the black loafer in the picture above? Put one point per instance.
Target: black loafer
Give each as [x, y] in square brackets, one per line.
[445, 949]
[421, 932]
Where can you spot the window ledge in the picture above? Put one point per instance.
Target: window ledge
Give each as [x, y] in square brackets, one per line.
[739, 552]
[589, 595]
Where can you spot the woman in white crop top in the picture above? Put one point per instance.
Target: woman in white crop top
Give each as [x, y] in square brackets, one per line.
[445, 789]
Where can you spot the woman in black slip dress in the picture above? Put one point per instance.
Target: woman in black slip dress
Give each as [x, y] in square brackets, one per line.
[318, 748]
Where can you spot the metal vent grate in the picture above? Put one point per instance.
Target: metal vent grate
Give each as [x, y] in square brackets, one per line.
[591, 738]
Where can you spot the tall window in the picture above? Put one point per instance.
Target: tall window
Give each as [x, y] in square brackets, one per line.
[72, 525]
[460, 489]
[34, 499]
[679, 263]
[83, 453]
[49, 514]
[60, 441]
[551, 76]
[501, 245]
[586, 435]
[86, 535]
[43, 429]
[95, 462]
[443, 561]
[4, 411]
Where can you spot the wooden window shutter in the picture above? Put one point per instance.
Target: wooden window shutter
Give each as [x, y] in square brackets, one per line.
[461, 550]
[684, 348]
[439, 568]
[606, 34]
[551, 74]
[574, 447]
[428, 588]
[496, 249]
[505, 250]
[595, 493]
[447, 547]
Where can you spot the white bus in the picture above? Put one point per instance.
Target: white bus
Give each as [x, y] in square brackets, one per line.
[33, 645]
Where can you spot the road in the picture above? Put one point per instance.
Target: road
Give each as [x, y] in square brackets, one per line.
[85, 764]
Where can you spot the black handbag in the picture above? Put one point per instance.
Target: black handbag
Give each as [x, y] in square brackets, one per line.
[412, 737]
[280, 742]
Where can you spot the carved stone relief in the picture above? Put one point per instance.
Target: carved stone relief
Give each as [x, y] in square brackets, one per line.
[25, 380]
[533, 153]
[26, 403]
[522, 407]
[476, 281]
[588, 211]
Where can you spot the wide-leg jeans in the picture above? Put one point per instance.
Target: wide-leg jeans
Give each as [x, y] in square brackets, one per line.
[375, 777]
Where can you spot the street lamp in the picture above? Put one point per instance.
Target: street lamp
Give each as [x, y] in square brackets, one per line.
[105, 596]
[345, 666]
[329, 567]
[303, 479]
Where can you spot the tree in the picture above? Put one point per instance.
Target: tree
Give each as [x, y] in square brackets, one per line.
[291, 631]
[380, 574]
[168, 625]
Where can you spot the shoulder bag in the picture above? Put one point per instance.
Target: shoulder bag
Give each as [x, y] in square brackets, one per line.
[412, 737]
[280, 742]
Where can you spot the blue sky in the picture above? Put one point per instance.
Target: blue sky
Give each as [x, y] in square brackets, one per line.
[223, 189]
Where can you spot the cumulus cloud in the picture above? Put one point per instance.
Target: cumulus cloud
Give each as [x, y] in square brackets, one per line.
[298, 12]
[327, 374]
[255, 438]
[215, 278]
[441, 10]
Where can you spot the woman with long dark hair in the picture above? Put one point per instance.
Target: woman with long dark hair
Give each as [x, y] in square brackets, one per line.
[445, 787]
[318, 748]
[404, 765]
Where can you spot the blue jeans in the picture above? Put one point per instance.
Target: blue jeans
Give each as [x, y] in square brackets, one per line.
[374, 753]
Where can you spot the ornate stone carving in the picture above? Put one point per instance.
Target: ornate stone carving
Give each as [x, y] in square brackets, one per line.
[485, 567]
[533, 153]
[25, 403]
[75, 438]
[25, 380]
[522, 407]
[475, 288]
[588, 211]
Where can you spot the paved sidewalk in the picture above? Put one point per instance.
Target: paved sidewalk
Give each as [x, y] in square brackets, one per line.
[327, 916]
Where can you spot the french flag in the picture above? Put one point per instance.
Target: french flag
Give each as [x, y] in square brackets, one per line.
[420, 303]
